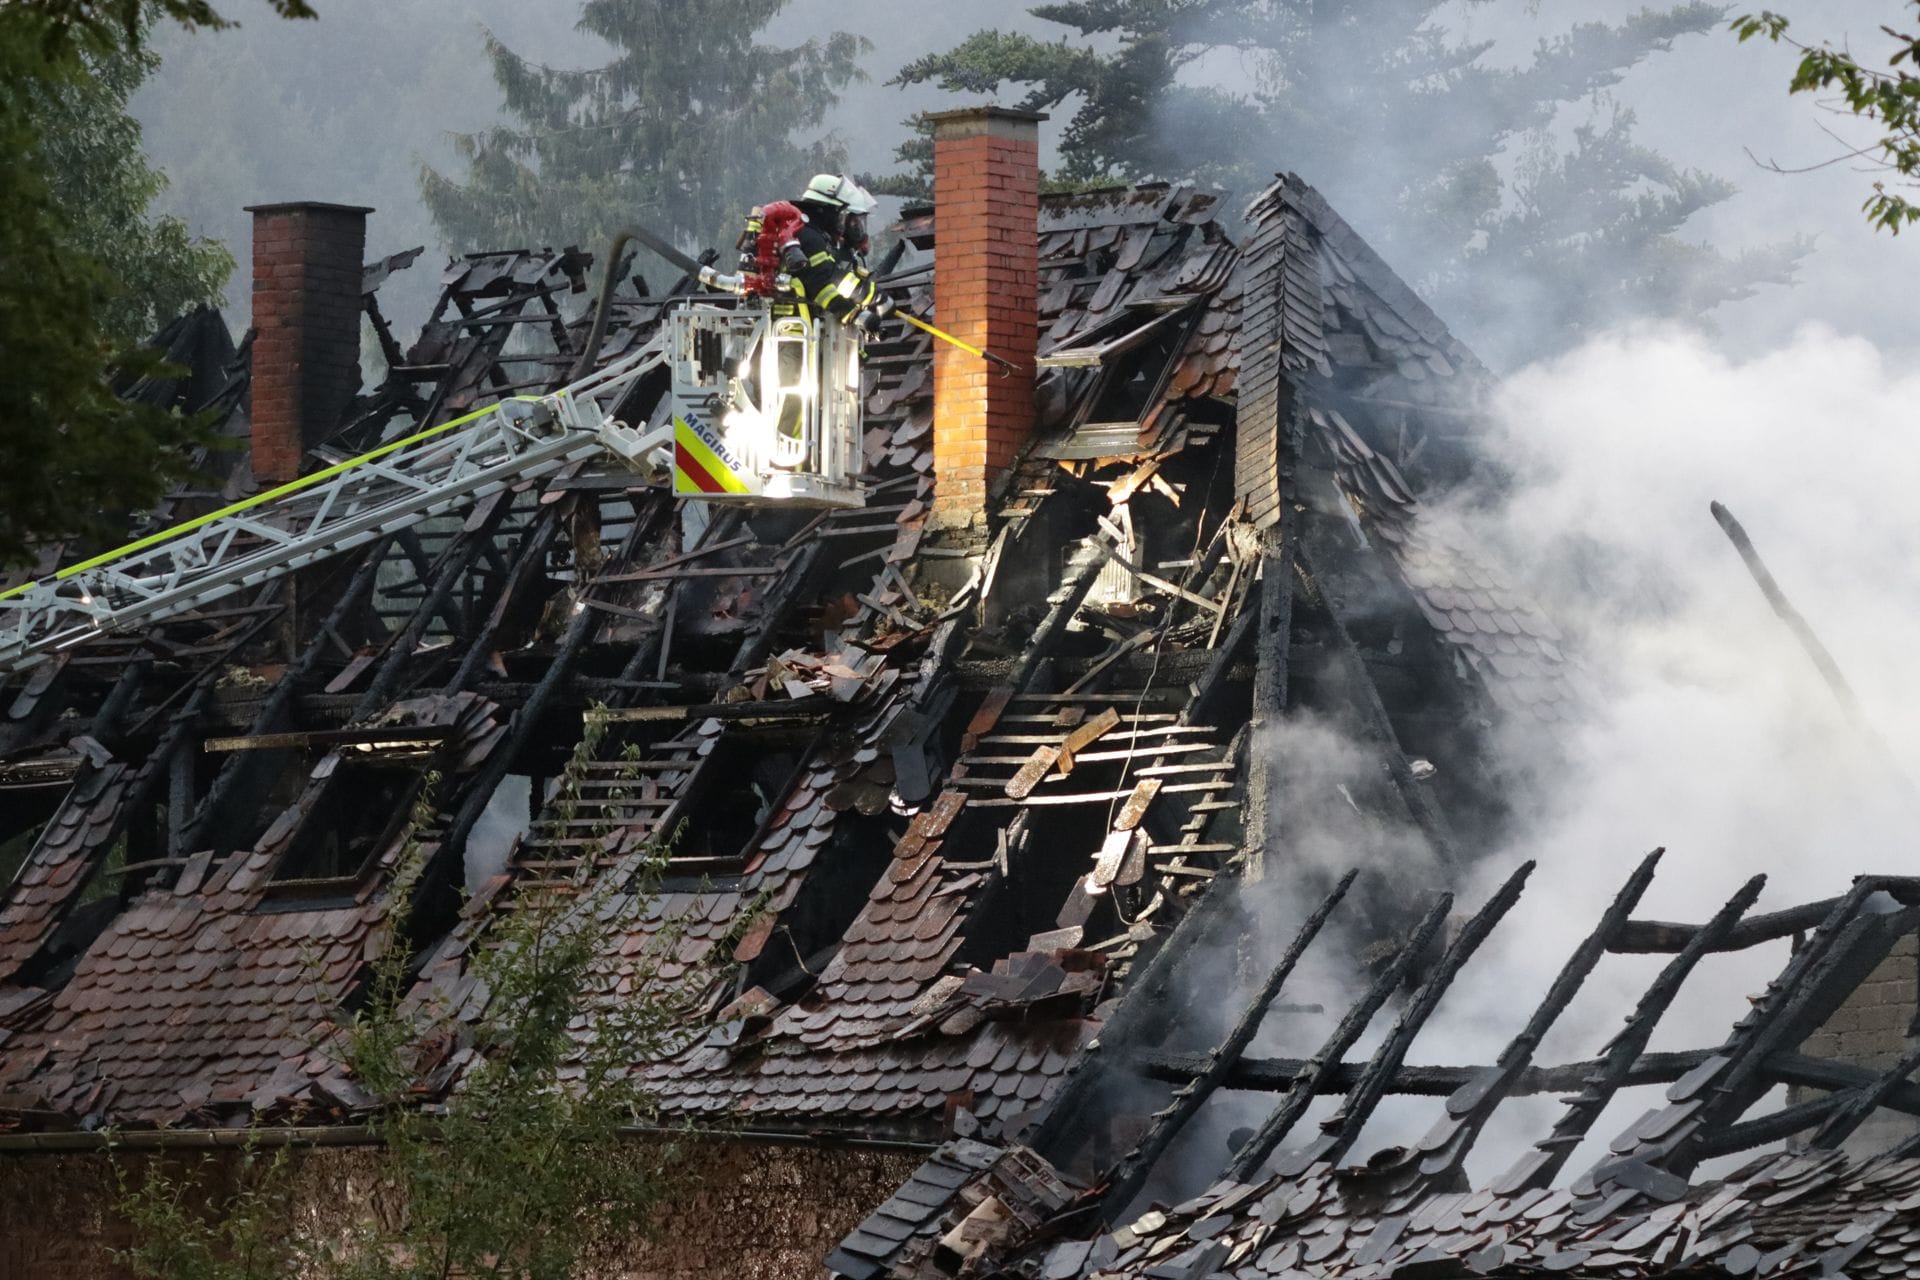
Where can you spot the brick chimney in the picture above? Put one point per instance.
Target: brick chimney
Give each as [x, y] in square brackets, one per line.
[986, 195]
[306, 319]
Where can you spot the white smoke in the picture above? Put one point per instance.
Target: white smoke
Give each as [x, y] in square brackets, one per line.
[1711, 732]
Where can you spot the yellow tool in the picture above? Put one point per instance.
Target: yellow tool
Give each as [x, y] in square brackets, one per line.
[967, 347]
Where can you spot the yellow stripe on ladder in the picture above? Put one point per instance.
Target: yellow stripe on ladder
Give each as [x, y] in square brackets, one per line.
[258, 499]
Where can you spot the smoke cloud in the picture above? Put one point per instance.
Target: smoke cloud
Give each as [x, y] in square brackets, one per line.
[1708, 730]
[1711, 732]
[1713, 735]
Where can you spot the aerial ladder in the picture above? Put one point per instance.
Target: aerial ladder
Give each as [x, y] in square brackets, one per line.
[762, 409]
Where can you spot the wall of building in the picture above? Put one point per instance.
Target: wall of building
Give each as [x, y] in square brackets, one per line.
[1870, 1030]
[739, 1210]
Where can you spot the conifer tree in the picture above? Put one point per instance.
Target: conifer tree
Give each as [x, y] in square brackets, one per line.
[693, 121]
[1437, 150]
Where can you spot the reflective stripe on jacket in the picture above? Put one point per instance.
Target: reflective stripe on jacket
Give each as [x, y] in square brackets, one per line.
[828, 282]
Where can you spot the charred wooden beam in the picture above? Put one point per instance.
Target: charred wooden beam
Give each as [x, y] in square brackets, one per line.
[1854, 1106]
[1131, 1173]
[1856, 1092]
[1135, 1023]
[1442, 1153]
[529, 562]
[221, 812]
[1809, 1072]
[1643, 937]
[798, 711]
[1822, 660]
[1835, 958]
[1082, 572]
[1203, 707]
[113, 709]
[1271, 1075]
[422, 735]
[668, 566]
[1615, 1071]
[1761, 1130]
[1172, 669]
[1278, 560]
[1363, 697]
[40, 772]
[446, 610]
[180, 788]
[797, 572]
[1343, 1128]
[1314, 1074]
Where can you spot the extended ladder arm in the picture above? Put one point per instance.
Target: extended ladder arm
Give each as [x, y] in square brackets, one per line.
[339, 507]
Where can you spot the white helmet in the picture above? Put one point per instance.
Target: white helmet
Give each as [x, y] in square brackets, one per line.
[839, 191]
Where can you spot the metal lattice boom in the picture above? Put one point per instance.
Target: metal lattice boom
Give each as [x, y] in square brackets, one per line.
[337, 508]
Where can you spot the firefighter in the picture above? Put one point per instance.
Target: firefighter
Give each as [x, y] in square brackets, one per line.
[826, 259]
[821, 256]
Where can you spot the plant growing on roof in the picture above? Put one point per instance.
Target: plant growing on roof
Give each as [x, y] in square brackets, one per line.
[525, 1167]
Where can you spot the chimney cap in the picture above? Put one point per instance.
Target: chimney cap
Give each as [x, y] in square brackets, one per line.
[318, 206]
[964, 122]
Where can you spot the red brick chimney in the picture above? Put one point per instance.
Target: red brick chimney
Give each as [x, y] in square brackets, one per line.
[306, 320]
[986, 196]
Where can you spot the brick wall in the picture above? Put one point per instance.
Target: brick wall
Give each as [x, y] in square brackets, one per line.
[739, 1211]
[306, 320]
[1870, 1030]
[986, 191]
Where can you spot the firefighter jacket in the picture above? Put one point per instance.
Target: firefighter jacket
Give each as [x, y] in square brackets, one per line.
[826, 280]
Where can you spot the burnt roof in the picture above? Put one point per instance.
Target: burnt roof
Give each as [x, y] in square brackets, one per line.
[995, 774]
[1289, 1198]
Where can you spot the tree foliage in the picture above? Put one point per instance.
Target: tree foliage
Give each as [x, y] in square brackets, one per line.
[693, 121]
[100, 180]
[71, 27]
[525, 1170]
[1447, 157]
[1890, 98]
[85, 274]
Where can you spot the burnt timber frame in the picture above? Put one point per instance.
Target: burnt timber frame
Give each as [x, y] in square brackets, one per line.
[1711, 1088]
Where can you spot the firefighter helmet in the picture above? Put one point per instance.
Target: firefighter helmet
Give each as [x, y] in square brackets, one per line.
[839, 191]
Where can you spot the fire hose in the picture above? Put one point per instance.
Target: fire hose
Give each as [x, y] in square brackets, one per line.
[713, 279]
